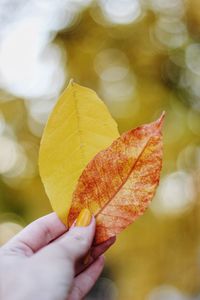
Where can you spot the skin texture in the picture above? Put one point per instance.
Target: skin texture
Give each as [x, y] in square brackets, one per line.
[45, 261]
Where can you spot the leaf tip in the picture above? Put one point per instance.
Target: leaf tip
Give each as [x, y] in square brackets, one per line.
[159, 122]
[71, 82]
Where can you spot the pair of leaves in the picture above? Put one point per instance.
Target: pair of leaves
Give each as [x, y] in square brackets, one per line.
[80, 168]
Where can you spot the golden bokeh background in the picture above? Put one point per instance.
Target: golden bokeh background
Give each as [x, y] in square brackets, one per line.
[142, 57]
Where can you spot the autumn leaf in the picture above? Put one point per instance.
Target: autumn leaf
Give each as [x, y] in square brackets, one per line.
[119, 183]
[78, 128]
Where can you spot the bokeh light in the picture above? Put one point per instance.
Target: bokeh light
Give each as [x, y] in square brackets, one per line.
[122, 11]
[166, 293]
[111, 65]
[8, 230]
[175, 194]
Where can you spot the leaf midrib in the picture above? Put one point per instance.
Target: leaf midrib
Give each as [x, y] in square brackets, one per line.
[123, 183]
[78, 125]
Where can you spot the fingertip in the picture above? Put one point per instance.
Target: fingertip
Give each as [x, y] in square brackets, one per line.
[114, 238]
[84, 218]
[101, 259]
[100, 263]
[92, 222]
[111, 240]
[78, 240]
[89, 226]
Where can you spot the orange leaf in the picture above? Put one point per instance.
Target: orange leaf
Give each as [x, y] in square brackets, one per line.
[118, 183]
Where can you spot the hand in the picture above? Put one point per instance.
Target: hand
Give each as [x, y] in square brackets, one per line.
[46, 262]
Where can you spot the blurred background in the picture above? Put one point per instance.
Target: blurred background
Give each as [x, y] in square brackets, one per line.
[142, 57]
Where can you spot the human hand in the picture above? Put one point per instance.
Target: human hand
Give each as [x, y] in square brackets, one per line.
[46, 262]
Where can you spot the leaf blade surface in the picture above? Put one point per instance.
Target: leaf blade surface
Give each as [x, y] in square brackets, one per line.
[78, 128]
[119, 183]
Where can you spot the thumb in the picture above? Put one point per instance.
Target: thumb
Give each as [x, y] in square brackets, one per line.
[77, 241]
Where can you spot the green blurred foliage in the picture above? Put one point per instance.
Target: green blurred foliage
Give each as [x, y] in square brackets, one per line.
[139, 69]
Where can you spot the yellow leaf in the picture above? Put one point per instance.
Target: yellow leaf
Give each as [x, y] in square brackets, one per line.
[78, 128]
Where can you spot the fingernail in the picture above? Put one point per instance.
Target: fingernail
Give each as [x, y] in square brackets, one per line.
[84, 218]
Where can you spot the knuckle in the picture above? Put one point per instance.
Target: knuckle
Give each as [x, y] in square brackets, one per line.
[77, 293]
[80, 239]
[47, 233]
[18, 249]
[89, 280]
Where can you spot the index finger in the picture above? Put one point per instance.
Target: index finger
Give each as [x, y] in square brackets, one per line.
[37, 234]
